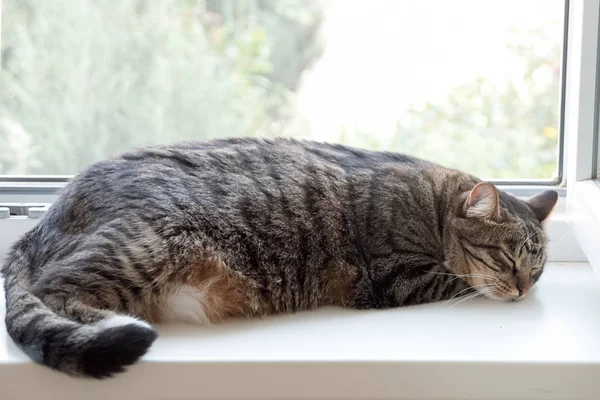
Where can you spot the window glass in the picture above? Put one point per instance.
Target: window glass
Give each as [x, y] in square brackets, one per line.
[469, 84]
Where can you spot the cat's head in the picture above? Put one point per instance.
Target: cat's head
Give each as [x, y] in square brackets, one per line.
[499, 244]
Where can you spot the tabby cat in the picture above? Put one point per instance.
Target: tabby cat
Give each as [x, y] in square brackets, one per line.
[243, 227]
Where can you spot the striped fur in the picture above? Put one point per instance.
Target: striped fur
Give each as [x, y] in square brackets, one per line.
[247, 227]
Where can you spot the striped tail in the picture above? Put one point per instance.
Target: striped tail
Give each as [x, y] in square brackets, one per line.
[95, 350]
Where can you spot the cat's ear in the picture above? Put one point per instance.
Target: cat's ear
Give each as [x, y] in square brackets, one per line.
[543, 203]
[483, 201]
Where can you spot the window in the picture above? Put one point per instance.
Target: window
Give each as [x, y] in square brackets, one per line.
[84, 80]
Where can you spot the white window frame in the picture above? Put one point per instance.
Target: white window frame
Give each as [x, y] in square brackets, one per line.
[581, 126]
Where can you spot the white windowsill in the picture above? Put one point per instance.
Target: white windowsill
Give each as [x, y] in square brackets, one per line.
[545, 347]
[584, 217]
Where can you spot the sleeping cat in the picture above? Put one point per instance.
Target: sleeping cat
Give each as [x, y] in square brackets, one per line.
[243, 227]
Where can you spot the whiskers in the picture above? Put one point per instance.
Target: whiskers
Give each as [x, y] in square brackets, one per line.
[460, 296]
[478, 293]
[463, 296]
[456, 276]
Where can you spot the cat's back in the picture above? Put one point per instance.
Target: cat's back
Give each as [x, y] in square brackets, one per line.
[235, 181]
[247, 155]
[221, 165]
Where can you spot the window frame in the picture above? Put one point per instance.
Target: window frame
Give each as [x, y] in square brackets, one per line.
[581, 126]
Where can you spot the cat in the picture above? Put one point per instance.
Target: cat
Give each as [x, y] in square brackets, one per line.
[204, 231]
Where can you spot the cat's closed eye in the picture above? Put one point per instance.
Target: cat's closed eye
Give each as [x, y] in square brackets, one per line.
[535, 271]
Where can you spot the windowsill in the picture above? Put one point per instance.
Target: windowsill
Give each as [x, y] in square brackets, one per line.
[584, 217]
[545, 347]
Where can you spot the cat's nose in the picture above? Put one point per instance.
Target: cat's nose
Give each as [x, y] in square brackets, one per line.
[522, 285]
[522, 291]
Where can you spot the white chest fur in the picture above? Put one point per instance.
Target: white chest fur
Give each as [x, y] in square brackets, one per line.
[187, 304]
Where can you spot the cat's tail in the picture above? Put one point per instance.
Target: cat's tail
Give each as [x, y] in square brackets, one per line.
[95, 350]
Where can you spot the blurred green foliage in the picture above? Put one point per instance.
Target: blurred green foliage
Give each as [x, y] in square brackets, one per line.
[84, 80]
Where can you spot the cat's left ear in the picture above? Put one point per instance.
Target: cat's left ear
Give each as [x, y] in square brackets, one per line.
[543, 203]
[483, 202]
